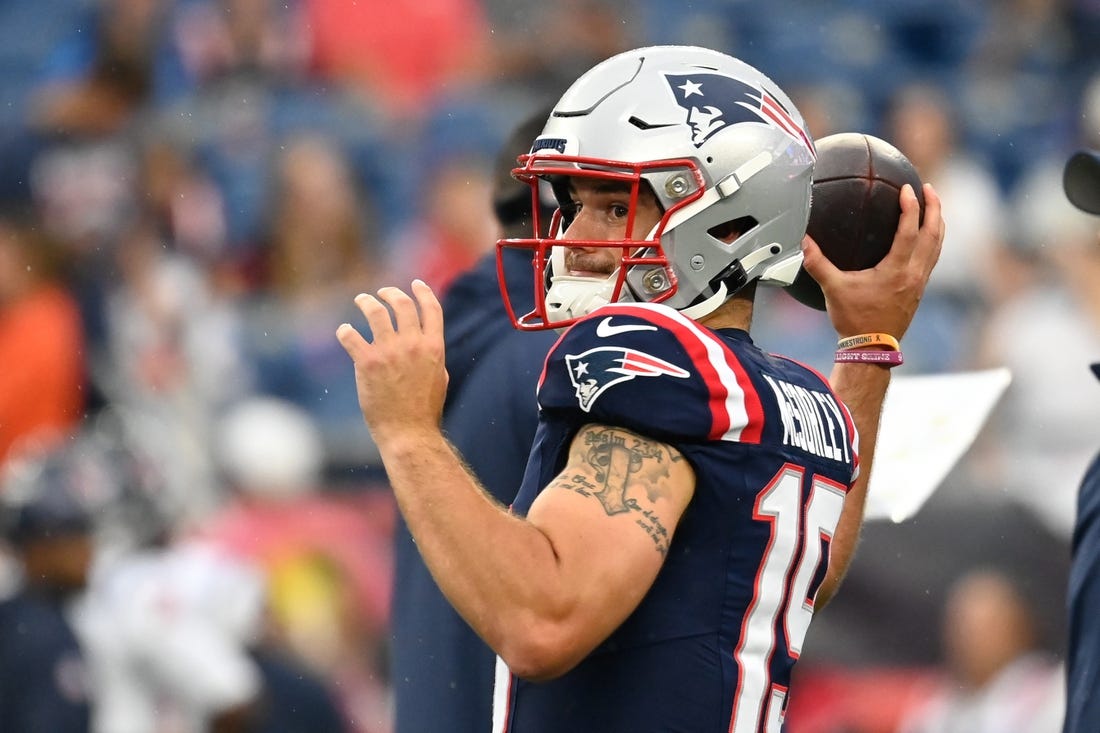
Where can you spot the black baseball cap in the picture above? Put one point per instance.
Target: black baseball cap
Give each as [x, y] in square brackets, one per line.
[1081, 180]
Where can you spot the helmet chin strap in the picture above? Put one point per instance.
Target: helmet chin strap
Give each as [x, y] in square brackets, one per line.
[728, 282]
[708, 306]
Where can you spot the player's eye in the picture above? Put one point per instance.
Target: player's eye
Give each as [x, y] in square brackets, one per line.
[619, 211]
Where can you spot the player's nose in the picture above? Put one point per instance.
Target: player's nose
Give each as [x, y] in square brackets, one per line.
[581, 228]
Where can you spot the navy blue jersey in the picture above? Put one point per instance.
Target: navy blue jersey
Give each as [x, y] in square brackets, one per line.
[712, 644]
[43, 680]
[1083, 650]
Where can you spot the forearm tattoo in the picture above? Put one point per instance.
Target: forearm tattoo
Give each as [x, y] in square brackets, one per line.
[625, 466]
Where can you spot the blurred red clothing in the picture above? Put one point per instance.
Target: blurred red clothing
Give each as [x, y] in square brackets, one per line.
[405, 51]
[857, 700]
[42, 368]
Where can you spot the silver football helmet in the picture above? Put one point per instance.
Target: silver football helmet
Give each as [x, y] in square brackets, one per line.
[721, 147]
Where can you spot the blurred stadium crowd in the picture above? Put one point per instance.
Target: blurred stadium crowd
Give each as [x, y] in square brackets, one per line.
[192, 191]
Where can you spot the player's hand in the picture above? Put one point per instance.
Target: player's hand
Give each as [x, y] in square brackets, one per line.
[884, 298]
[400, 374]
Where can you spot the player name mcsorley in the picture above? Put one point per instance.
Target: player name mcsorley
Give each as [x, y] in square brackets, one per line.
[812, 420]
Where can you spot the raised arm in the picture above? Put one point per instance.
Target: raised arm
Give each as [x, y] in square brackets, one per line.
[882, 299]
[543, 590]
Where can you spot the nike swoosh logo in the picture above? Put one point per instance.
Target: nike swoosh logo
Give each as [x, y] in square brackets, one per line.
[605, 329]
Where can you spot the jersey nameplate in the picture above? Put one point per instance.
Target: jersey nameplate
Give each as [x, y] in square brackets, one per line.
[812, 420]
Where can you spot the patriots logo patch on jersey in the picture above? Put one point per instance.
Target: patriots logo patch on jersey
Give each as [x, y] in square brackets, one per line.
[714, 102]
[594, 371]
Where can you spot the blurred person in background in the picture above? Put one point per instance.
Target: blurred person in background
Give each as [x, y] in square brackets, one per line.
[95, 84]
[252, 93]
[442, 671]
[173, 629]
[89, 100]
[455, 227]
[170, 354]
[167, 629]
[998, 679]
[184, 206]
[1081, 182]
[177, 642]
[78, 511]
[921, 123]
[320, 250]
[43, 382]
[325, 554]
[49, 494]
[1041, 433]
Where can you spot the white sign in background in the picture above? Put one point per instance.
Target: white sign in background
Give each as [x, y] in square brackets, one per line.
[928, 423]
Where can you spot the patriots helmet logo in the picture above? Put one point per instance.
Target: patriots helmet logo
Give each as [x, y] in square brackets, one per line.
[715, 101]
[596, 370]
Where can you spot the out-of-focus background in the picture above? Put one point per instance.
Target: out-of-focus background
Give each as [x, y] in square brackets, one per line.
[192, 191]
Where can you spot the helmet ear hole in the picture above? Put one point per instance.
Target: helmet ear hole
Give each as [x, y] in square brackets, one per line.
[731, 230]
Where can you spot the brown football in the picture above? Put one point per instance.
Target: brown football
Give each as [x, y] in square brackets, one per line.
[854, 209]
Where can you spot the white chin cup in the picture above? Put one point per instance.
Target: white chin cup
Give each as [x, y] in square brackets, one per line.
[573, 297]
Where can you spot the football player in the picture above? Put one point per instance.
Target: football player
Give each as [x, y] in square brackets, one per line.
[1082, 186]
[47, 510]
[690, 499]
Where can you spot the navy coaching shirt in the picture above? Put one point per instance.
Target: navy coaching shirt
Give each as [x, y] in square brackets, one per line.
[1083, 653]
[712, 644]
[442, 672]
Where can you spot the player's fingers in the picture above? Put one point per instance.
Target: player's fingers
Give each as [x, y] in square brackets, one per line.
[404, 309]
[905, 238]
[352, 341]
[378, 318]
[816, 263]
[431, 312]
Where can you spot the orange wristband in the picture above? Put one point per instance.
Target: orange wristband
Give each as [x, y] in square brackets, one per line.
[864, 340]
